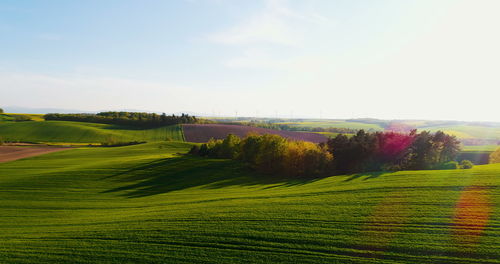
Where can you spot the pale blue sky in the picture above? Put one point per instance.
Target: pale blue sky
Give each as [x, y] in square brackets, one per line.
[413, 59]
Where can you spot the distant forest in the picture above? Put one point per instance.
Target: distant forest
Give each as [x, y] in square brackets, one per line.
[134, 119]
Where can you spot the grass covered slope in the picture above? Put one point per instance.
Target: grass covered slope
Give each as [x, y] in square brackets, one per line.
[191, 209]
[144, 203]
[79, 132]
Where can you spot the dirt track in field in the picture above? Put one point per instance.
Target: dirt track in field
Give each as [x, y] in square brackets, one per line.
[10, 153]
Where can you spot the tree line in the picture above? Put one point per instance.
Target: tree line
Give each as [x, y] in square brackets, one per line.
[135, 119]
[365, 151]
[271, 154]
[393, 151]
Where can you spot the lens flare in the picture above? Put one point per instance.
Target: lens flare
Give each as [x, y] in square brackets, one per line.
[472, 213]
[386, 220]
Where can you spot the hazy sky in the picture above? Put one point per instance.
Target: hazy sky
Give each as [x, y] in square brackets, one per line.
[338, 59]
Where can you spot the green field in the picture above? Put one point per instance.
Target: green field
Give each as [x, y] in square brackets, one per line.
[334, 123]
[481, 148]
[12, 117]
[147, 204]
[468, 131]
[79, 132]
[477, 154]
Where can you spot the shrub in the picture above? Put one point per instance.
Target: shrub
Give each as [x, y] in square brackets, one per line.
[450, 165]
[112, 142]
[21, 118]
[466, 164]
[195, 150]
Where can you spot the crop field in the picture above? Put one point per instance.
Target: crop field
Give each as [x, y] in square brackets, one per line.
[334, 123]
[10, 153]
[477, 154]
[469, 131]
[462, 131]
[330, 134]
[79, 132]
[204, 132]
[477, 157]
[481, 148]
[147, 203]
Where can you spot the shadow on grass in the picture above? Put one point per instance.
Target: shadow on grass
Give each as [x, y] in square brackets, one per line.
[365, 175]
[178, 173]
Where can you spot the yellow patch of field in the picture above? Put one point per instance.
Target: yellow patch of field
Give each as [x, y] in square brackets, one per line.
[33, 117]
[458, 134]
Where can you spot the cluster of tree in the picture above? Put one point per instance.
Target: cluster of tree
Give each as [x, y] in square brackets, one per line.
[135, 119]
[1, 111]
[361, 152]
[271, 154]
[392, 151]
[495, 156]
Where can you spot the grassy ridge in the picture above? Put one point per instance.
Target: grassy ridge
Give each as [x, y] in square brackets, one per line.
[144, 203]
[12, 117]
[79, 132]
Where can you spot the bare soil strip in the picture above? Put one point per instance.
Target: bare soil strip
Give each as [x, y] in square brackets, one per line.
[10, 153]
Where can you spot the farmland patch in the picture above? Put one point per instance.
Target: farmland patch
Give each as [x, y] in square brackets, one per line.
[10, 153]
[204, 132]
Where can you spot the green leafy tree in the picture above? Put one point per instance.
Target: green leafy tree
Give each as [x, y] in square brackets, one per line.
[230, 147]
[495, 156]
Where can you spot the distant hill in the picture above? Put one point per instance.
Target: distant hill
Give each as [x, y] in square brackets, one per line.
[26, 110]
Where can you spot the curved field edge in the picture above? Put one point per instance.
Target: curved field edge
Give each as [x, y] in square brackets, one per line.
[147, 203]
[80, 132]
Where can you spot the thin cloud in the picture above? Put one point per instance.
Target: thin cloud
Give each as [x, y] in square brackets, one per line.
[276, 23]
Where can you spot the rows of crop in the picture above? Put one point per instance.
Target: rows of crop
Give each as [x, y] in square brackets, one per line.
[204, 132]
[144, 203]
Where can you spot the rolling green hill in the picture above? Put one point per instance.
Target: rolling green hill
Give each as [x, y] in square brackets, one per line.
[79, 132]
[144, 203]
